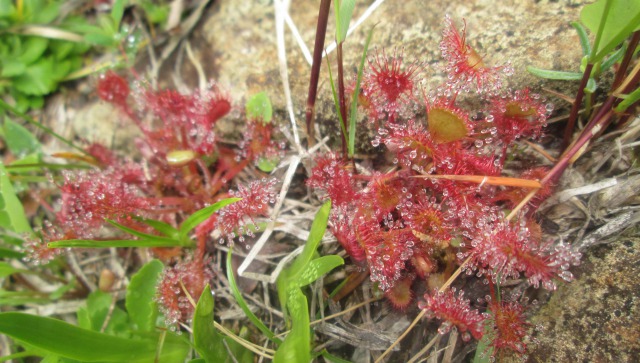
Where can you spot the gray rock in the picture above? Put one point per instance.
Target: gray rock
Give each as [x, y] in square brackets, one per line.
[595, 318]
[242, 37]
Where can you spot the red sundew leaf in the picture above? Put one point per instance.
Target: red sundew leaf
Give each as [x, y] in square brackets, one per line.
[445, 125]
[509, 327]
[466, 69]
[456, 311]
[388, 85]
[113, 88]
[401, 295]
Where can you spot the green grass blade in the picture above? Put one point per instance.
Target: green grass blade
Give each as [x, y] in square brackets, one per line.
[353, 115]
[12, 215]
[162, 227]
[15, 298]
[558, 75]
[202, 215]
[140, 299]
[69, 341]
[336, 103]
[117, 243]
[207, 341]
[141, 235]
[243, 304]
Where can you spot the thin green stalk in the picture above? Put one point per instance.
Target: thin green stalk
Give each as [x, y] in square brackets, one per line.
[353, 116]
[335, 98]
[596, 42]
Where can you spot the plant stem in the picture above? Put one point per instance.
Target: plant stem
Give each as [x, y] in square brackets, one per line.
[573, 116]
[321, 30]
[342, 97]
[626, 60]
[597, 123]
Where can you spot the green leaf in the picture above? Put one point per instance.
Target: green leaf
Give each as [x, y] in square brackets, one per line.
[259, 108]
[69, 341]
[317, 268]
[12, 215]
[34, 48]
[117, 243]
[42, 12]
[332, 358]
[611, 21]
[206, 339]
[15, 298]
[106, 40]
[296, 346]
[12, 68]
[344, 15]
[66, 340]
[156, 14]
[144, 236]
[267, 164]
[559, 75]
[318, 227]
[584, 39]
[484, 350]
[354, 102]
[27, 164]
[117, 10]
[98, 310]
[613, 59]
[37, 80]
[591, 86]
[628, 100]
[162, 227]
[239, 352]
[19, 140]
[287, 280]
[141, 292]
[243, 304]
[202, 215]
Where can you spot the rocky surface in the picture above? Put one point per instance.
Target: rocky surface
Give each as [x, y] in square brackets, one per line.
[596, 318]
[242, 38]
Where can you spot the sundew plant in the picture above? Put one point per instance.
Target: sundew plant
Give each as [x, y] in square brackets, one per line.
[444, 203]
[433, 211]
